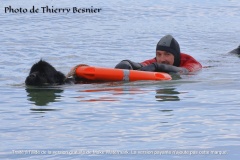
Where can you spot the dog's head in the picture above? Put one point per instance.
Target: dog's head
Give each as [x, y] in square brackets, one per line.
[43, 73]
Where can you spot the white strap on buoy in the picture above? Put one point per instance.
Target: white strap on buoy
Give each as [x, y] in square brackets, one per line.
[126, 75]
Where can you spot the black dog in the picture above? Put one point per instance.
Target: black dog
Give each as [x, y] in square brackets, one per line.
[43, 73]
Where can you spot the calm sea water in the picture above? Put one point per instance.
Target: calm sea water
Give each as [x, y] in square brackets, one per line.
[196, 114]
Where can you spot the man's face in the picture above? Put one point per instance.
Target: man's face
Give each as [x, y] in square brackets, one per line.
[164, 57]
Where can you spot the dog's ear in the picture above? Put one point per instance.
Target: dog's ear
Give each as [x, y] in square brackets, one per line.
[59, 77]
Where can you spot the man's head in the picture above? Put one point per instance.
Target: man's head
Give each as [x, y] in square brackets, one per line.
[168, 51]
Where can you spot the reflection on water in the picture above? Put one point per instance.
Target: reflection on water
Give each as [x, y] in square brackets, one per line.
[167, 94]
[117, 94]
[109, 94]
[43, 96]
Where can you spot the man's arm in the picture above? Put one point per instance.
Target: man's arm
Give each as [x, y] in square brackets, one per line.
[127, 64]
[158, 67]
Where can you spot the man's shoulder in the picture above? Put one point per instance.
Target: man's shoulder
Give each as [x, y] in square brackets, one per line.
[189, 62]
[186, 57]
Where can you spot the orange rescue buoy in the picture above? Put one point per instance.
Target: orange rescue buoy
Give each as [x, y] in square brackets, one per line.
[110, 74]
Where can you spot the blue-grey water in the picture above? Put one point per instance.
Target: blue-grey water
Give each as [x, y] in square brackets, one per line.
[194, 117]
